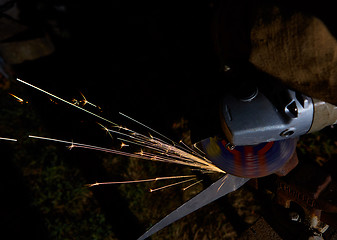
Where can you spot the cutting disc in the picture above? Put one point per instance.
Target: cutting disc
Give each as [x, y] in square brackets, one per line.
[249, 161]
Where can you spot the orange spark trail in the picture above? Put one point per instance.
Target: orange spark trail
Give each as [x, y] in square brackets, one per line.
[20, 100]
[85, 101]
[141, 181]
[193, 184]
[144, 155]
[65, 101]
[171, 185]
[157, 149]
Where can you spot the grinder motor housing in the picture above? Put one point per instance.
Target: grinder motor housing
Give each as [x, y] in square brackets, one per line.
[253, 119]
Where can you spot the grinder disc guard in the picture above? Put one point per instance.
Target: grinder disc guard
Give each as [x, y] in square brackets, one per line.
[249, 161]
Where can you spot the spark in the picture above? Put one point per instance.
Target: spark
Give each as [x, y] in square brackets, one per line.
[65, 101]
[8, 139]
[145, 155]
[170, 185]
[81, 145]
[124, 145]
[141, 181]
[193, 184]
[190, 149]
[172, 154]
[164, 148]
[75, 101]
[157, 149]
[141, 152]
[20, 100]
[223, 182]
[85, 101]
[106, 129]
[134, 120]
[52, 100]
[196, 147]
[122, 128]
[72, 145]
[203, 171]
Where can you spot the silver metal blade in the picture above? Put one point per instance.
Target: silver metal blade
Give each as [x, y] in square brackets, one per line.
[223, 186]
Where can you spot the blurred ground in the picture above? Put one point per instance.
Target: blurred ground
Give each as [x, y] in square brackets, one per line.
[149, 60]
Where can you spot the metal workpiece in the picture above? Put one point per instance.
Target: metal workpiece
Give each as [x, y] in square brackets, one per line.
[325, 115]
[261, 120]
[220, 188]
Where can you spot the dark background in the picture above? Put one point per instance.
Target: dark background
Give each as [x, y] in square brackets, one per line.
[152, 59]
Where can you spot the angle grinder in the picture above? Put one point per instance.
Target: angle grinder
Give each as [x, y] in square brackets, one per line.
[260, 129]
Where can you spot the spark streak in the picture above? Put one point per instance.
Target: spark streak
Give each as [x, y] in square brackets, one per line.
[143, 155]
[20, 100]
[123, 145]
[106, 129]
[153, 148]
[190, 149]
[65, 101]
[223, 182]
[193, 184]
[171, 185]
[134, 120]
[163, 148]
[8, 139]
[141, 181]
[185, 147]
[85, 101]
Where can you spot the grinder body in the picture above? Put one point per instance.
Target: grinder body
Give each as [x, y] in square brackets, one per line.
[260, 130]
